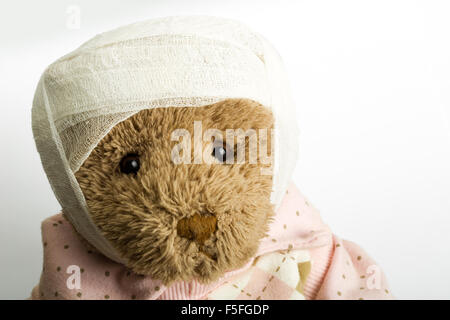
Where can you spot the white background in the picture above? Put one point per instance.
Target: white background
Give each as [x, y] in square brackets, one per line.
[371, 80]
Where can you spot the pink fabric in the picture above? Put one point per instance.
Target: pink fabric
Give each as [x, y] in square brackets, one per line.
[339, 268]
[353, 275]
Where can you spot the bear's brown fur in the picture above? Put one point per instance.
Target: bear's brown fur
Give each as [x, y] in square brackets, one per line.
[224, 209]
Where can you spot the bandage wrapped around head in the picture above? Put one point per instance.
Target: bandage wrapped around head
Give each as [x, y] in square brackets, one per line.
[168, 62]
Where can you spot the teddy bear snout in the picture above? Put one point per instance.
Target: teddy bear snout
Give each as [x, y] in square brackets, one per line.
[197, 227]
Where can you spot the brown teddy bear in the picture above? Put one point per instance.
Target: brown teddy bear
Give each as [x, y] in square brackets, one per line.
[178, 221]
[170, 145]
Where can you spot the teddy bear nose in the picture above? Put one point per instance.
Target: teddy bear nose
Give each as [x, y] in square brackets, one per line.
[197, 227]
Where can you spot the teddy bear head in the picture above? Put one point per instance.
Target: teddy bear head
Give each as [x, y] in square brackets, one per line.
[180, 221]
[127, 127]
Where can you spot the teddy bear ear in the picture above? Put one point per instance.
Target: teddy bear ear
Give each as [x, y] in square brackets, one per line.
[195, 61]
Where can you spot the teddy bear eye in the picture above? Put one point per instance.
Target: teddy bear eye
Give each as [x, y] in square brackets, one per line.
[220, 151]
[130, 163]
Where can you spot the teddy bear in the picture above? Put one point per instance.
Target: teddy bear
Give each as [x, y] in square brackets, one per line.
[170, 145]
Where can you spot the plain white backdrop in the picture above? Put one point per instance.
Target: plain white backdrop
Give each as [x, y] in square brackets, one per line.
[371, 80]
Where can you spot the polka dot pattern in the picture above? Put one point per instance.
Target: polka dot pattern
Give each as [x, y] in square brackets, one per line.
[296, 225]
[355, 280]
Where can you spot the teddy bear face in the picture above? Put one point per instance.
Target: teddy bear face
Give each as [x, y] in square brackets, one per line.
[181, 221]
